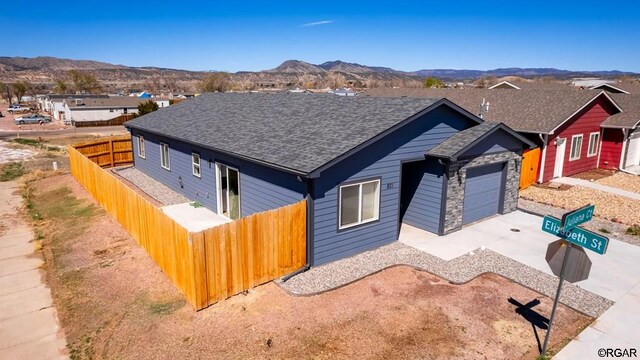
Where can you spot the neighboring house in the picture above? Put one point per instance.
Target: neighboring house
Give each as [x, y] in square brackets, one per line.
[78, 110]
[619, 88]
[182, 95]
[365, 165]
[566, 124]
[141, 95]
[344, 92]
[622, 136]
[54, 103]
[161, 102]
[531, 85]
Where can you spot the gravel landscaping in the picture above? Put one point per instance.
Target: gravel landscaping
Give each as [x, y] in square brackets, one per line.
[609, 206]
[459, 270]
[603, 226]
[151, 187]
[622, 181]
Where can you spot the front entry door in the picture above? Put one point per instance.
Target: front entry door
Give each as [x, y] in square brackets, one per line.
[228, 184]
[560, 147]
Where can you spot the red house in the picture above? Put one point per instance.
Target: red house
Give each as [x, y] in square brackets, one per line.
[566, 124]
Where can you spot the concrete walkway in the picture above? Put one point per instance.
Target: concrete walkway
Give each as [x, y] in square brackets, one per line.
[596, 186]
[28, 323]
[615, 275]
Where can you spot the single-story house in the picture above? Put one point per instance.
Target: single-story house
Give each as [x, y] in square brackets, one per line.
[618, 87]
[100, 109]
[54, 103]
[365, 165]
[162, 102]
[565, 124]
[530, 85]
[623, 134]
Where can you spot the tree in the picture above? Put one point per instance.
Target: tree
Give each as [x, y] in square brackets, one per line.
[215, 82]
[84, 82]
[433, 83]
[5, 89]
[19, 89]
[61, 86]
[147, 107]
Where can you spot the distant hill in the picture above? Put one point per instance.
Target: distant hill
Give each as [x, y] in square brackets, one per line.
[291, 73]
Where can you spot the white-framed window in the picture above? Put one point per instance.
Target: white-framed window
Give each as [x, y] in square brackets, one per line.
[195, 164]
[358, 203]
[141, 146]
[164, 156]
[593, 144]
[576, 147]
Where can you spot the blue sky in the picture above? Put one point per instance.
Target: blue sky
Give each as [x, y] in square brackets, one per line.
[405, 35]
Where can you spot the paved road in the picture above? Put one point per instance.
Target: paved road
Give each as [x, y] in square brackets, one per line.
[28, 322]
[106, 130]
[615, 275]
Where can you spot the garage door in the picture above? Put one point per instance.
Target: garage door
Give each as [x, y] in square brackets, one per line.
[482, 192]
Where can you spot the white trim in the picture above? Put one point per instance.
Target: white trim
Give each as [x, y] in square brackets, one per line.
[559, 165]
[600, 148]
[143, 153]
[625, 137]
[610, 86]
[544, 157]
[168, 167]
[584, 106]
[219, 189]
[193, 165]
[506, 83]
[595, 152]
[571, 158]
[376, 204]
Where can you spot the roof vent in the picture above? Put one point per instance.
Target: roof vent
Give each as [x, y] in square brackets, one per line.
[78, 102]
[484, 108]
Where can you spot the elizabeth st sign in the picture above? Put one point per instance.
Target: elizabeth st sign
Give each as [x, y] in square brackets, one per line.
[586, 239]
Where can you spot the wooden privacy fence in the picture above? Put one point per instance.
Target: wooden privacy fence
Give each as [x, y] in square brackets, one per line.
[210, 265]
[108, 152]
[111, 122]
[530, 165]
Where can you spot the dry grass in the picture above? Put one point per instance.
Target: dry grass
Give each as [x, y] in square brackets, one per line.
[622, 181]
[608, 206]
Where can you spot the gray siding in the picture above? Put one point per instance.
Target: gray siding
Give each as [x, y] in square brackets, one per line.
[499, 141]
[422, 191]
[261, 188]
[381, 159]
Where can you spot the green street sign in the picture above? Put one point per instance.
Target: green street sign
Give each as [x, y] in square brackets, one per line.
[587, 239]
[572, 219]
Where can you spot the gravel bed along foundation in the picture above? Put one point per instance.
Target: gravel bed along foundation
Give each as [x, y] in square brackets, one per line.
[459, 270]
[615, 230]
[622, 181]
[609, 206]
[152, 187]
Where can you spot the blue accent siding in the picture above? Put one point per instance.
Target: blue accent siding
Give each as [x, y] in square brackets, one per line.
[421, 198]
[261, 188]
[380, 159]
[499, 141]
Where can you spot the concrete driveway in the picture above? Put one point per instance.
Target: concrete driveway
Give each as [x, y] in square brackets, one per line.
[615, 275]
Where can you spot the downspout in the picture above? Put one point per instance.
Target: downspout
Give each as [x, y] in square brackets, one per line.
[307, 266]
[624, 149]
[600, 147]
[544, 155]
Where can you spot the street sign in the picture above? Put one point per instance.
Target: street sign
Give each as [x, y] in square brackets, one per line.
[579, 216]
[587, 239]
[578, 263]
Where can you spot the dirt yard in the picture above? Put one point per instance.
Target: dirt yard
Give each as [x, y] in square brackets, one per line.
[622, 181]
[114, 302]
[7, 122]
[608, 206]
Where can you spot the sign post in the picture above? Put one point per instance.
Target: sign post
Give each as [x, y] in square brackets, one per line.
[566, 228]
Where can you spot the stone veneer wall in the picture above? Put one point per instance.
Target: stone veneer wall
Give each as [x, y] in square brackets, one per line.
[455, 185]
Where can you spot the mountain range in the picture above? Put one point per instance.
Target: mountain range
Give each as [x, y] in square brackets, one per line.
[44, 70]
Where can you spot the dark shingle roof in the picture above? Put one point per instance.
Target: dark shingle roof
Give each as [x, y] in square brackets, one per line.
[298, 132]
[536, 111]
[457, 144]
[630, 115]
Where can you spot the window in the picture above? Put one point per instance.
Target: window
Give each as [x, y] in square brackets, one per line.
[110, 110]
[164, 156]
[195, 164]
[576, 147]
[359, 203]
[141, 146]
[593, 144]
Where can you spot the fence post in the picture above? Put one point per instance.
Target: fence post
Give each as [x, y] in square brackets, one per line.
[113, 162]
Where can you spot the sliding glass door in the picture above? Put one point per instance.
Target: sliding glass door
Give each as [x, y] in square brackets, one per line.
[228, 191]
